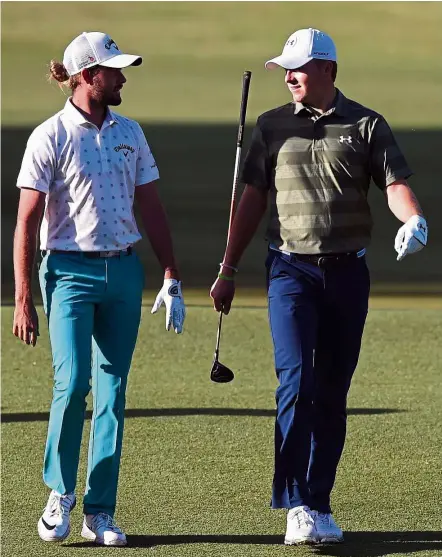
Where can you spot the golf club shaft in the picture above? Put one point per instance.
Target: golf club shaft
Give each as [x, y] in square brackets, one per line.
[227, 375]
[242, 118]
[218, 336]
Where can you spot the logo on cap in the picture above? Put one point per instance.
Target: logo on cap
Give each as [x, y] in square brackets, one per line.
[291, 42]
[109, 43]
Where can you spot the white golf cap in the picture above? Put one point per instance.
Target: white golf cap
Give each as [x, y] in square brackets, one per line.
[93, 49]
[301, 47]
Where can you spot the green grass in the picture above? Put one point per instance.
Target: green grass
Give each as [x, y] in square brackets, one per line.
[197, 482]
[195, 53]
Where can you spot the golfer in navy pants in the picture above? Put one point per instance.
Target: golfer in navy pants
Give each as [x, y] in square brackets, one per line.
[319, 311]
[312, 161]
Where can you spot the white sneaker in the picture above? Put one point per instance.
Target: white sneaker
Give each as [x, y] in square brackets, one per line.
[328, 530]
[54, 524]
[300, 526]
[101, 528]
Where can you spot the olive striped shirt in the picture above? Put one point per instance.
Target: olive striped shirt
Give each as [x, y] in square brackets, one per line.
[317, 168]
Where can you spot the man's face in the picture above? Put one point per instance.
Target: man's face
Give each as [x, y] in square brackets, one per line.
[106, 86]
[307, 82]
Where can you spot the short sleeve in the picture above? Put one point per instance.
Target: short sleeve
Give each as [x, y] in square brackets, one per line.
[256, 167]
[147, 170]
[387, 163]
[38, 164]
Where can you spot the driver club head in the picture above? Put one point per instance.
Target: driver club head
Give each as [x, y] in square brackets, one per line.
[220, 373]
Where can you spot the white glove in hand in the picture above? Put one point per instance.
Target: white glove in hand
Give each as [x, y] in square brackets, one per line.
[170, 295]
[411, 237]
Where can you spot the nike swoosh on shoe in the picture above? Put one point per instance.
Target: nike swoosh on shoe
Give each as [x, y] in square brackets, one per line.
[46, 525]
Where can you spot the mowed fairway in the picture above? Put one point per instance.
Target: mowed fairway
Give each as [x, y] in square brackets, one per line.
[197, 458]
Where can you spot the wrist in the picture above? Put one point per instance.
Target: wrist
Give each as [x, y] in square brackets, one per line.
[226, 269]
[23, 298]
[418, 217]
[228, 278]
[171, 273]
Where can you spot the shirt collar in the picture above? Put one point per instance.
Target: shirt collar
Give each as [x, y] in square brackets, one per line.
[77, 117]
[339, 106]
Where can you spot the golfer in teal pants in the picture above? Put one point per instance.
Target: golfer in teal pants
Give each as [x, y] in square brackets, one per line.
[82, 172]
[101, 301]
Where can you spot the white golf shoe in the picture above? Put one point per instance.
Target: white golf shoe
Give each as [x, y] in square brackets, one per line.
[102, 529]
[54, 524]
[328, 530]
[300, 526]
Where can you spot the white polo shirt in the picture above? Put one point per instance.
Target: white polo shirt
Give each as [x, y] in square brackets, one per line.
[89, 176]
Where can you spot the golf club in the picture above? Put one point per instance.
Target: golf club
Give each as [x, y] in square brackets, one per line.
[219, 372]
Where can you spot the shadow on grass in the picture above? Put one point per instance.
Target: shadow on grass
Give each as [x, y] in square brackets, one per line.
[357, 544]
[169, 412]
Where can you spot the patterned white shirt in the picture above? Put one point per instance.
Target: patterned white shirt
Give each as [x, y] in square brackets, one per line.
[89, 176]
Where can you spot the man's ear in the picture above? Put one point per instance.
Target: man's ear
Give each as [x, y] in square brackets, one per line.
[328, 66]
[87, 76]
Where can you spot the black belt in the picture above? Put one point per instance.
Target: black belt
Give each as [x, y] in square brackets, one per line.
[330, 257]
[321, 259]
[91, 254]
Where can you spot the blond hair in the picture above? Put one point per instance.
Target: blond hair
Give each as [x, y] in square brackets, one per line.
[58, 72]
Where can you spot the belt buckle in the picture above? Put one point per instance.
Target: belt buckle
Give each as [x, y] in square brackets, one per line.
[107, 253]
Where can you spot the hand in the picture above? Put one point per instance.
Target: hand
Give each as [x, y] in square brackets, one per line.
[25, 325]
[170, 294]
[411, 237]
[222, 293]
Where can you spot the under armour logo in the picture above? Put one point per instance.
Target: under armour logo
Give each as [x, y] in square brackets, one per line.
[343, 139]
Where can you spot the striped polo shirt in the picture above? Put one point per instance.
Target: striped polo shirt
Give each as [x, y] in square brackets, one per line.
[317, 168]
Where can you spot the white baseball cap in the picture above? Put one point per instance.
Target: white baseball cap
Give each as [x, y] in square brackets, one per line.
[301, 47]
[93, 49]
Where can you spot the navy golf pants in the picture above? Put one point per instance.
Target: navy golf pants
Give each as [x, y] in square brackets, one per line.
[317, 315]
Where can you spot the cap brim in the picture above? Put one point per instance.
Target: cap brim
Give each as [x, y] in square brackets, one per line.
[287, 62]
[122, 61]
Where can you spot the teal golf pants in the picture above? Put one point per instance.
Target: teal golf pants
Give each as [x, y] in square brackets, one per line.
[93, 308]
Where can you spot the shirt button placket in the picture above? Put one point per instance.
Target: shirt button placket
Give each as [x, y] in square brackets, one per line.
[103, 153]
[314, 142]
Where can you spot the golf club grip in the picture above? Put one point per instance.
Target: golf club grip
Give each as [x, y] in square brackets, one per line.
[242, 118]
[244, 98]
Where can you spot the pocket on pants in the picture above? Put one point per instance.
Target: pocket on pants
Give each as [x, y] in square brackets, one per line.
[270, 263]
[140, 269]
[270, 258]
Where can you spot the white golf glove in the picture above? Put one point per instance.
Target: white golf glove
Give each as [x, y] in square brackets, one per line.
[170, 294]
[411, 237]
